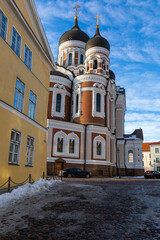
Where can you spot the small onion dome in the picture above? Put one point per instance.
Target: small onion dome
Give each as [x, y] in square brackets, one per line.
[74, 34]
[60, 74]
[97, 41]
[112, 75]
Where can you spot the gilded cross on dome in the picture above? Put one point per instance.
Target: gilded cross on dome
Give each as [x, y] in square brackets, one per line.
[76, 7]
[97, 19]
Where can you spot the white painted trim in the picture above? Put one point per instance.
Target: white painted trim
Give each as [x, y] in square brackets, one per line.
[65, 125]
[90, 78]
[6, 26]
[21, 115]
[101, 140]
[72, 44]
[60, 80]
[97, 50]
[77, 91]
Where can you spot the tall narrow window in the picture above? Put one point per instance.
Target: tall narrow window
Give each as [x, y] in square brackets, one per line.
[19, 95]
[30, 151]
[58, 103]
[81, 72]
[16, 42]
[60, 145]
[77, 102]
[81, 59]
[95, 64]
[130, 156]
[32, 105]
[70, 59]
[14, 147]
[87, 66]
[28, 57]
[99, 148]
[103, 65]
[71, 145]
[61, 61]
[3, 25]
[156, 150]
[98, 102]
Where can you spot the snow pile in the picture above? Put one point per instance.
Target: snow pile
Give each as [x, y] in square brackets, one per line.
[26, 190]
[130, 177]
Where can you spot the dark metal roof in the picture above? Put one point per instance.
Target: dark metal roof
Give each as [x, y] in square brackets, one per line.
[57, 73]
[138, 133]
[74, 34]
[97, 41]
[112, 75]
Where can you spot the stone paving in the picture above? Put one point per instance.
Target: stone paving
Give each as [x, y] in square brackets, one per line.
[82, 209]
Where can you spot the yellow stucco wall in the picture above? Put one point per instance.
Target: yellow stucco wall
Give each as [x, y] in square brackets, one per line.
[36, 80]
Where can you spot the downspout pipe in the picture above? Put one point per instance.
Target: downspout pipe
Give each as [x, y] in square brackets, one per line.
[115, 134]
[85, 143]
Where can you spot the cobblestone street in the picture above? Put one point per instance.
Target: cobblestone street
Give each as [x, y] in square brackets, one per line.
[83, 209]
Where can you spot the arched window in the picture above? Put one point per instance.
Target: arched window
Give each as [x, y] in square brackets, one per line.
[81, 72]
[60, 145]
[99, 148]
[70, 59]
[98, 102]
[58, 103]
[87, 66]
[95, 64]
[77, 103]
[103, 65]
[71, 145]
[81, 59]
[130, 156]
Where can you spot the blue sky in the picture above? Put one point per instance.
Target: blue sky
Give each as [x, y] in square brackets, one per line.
[132, 28]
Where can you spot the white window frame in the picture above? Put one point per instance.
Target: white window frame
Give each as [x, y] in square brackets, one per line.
[60, 135]
[58, 89]
[156, 148]
[35, 104]
[19, 92]
[98, 88]
[129, 152]
[74, 137]
[20, 42]
[14, 142]
[29, 148]
[31, 56]
[6, 25]
[77, 90]
[101, 140]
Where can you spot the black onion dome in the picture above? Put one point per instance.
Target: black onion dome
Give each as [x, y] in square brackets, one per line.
[60, 74]
[74, 34]
[112, 75]
[97, 41]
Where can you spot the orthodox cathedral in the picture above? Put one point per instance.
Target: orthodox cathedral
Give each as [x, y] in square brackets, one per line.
[86, 111]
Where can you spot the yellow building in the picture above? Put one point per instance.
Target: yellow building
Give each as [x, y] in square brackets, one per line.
[25, 64]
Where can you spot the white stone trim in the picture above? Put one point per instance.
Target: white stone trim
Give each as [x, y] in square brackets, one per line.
[66, 139]
[90, 78]
[97, 50]
[22, 116]
[77, 90]
[60, 80]
[101, 140]
[58, 89]
[97, 162]
[72, 44]
[98, 88]
[65, 125]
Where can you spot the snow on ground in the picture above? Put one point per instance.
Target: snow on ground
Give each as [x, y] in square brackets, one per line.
[26, 190]
[130, 177]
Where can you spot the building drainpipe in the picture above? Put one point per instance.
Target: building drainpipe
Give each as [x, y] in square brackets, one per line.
[85, 142]
[124, 158]
[71, 110]
[115, 134]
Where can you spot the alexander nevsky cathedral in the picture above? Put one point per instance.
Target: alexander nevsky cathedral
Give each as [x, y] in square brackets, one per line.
[86, 111]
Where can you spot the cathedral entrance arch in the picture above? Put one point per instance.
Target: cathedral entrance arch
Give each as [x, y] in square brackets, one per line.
[59, 165]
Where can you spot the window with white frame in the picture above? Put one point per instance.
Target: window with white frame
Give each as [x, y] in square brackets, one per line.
[81, 72]
[77, 101]
[95, 64]
[73, 144]
[157, 160]
[14, 150]
[98, 96]
[81, 59]
[3, 25]
[19, 95]
[130, 156]
[16, 42]
[32, 105]
[58, 100]
[59, 143]
[70, 59]
[29, 151]
[156, 150]
[28, 57]
[99, 147]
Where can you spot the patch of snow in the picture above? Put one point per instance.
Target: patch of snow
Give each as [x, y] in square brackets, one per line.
[26, 190]
[130, 177]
